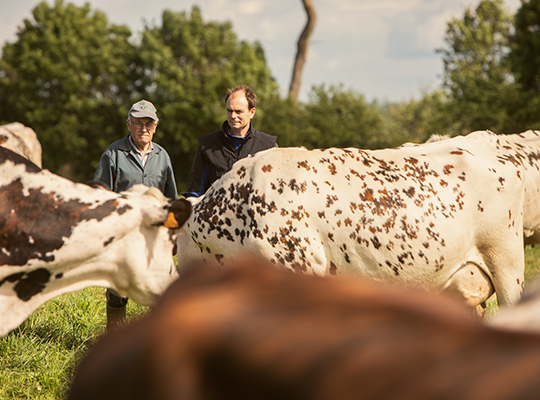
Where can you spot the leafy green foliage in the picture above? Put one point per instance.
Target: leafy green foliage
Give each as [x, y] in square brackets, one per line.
[416, 120]
[287, 119]
[189, 66]
[525, 61]
[333, 117]
[525, 54]
[344, 119]
[477, 70]
[72, 76]
[68, 77]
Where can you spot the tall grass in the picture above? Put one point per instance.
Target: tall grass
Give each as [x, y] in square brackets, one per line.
[38, 359]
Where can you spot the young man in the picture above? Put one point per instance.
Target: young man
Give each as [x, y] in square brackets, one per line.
[237, 139]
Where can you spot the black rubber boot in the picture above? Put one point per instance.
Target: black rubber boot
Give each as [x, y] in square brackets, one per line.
[115, 317]
[116, 310]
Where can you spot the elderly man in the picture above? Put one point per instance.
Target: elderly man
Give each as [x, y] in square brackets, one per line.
[237, 139]
[132, 160]
[135, 158]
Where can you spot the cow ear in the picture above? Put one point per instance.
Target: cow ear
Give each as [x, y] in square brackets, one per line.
[179, 212]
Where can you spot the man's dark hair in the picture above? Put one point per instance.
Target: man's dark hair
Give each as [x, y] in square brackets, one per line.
[251, 97]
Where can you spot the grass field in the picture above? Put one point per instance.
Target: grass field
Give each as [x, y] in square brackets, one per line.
[38, 359]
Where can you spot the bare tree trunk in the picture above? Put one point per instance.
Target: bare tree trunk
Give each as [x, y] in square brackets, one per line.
[303, 43]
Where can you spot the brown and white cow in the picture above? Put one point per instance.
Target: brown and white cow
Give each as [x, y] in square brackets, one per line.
[22, 140]
[251, 331]
[445, 215]
[57, 236]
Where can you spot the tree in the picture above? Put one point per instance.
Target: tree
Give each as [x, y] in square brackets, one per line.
[416, 120]
[343, 118]
[525, 54]
[301, 53]
[477, 70]
[289, 120]
[69, 76]
[189, 64]
[525, 58]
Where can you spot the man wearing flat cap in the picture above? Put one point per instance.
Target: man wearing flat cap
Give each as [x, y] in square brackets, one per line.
[132, 160]
[135, 158]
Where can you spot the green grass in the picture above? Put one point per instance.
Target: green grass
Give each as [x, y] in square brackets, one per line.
[38, 359]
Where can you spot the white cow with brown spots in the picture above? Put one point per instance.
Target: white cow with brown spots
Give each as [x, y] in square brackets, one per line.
[57, 236]
[445, 215]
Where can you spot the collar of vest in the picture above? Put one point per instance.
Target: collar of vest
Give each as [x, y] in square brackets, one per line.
[225, 128]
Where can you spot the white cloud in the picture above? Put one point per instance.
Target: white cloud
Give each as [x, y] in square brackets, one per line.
[381, 48]
[250, 7]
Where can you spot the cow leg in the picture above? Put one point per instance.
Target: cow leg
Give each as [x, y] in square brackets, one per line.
[531, 240]
[506, 264]
[473, 285]
[116, 309]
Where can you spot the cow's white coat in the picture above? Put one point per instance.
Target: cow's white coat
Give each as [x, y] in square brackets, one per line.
[126, 247]
[444, 215]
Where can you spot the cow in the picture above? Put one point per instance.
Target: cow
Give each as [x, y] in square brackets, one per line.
[57, 236]
[22, 140]
[253, 331]
[448, 215]
[531, 237]
[525, 315]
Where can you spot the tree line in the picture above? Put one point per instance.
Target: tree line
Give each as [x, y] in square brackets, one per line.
[71, 76]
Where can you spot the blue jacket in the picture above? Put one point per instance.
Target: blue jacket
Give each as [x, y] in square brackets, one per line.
[121, 168]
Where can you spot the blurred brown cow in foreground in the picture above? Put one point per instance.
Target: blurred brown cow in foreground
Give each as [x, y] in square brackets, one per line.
[251, 331]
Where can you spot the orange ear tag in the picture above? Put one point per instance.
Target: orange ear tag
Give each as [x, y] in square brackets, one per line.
[171, 222]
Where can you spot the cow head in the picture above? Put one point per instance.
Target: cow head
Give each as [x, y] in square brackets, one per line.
[57, 236]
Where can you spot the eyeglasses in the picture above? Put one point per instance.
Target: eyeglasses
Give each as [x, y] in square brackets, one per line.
[139, 125]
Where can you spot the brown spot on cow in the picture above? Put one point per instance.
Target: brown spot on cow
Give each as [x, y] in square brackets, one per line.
[367, 195]
[480, 208]
[297, 187]
[447, 170]
[42, 222]
[330, 200]
[333, 268]
[304, 164]
[28, 283]
[375, 242]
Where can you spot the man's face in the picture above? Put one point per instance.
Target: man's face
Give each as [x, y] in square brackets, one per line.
[142, 131]
[238, 113]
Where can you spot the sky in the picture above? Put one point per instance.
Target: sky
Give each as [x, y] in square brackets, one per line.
[382, 49]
